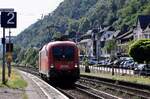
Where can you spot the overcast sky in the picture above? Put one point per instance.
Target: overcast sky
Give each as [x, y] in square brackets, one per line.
[28, 11]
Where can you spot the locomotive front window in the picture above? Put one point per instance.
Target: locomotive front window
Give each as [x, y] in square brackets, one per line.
[63, 53]
[69, 53]
[57, 53]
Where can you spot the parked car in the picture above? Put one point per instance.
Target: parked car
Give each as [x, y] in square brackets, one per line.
[127, 64]
[130, 64]
[92, 61]
[105, 62]
[142, 69]
[118, 62]
[102, 62]
[124, 62]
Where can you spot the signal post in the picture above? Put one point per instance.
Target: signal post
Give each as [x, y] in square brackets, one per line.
[9, 50]
[8, 20]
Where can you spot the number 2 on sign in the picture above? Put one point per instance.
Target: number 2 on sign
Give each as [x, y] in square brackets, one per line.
[10, 21]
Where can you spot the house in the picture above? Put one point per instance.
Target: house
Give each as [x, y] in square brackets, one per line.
[122, 41]
[93, 42]
[142, 28]
[106, 33]
[86, 44]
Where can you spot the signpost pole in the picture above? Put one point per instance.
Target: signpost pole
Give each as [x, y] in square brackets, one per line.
[9, 63]
[3, 68]
[8, 20]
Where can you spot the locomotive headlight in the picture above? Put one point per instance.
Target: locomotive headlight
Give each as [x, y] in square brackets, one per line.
[52, 66]
[76, 66]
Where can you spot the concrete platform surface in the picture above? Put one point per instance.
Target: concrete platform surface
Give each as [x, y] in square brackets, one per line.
[39, 89]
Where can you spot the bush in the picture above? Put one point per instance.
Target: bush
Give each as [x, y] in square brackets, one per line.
[140, 51]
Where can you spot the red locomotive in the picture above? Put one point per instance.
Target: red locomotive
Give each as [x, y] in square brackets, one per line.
[59, 60]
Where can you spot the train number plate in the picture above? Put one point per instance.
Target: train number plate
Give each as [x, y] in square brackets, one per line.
[64, 66]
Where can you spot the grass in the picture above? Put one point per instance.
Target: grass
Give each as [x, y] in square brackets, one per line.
[134, 79]
[15, 81]
[24, 96]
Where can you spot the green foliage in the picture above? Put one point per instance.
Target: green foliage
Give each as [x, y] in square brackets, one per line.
[77, 16]
[140, 51]
[15, 81]
[85, 61]
[84, 24]
[126, 46]
[73, 25]
[57, 35]
[129, 12]
[26, 57]
[31, 57]
[146, 10]
[20, 55]
[110, 46]
[15, 52]
[82, 15]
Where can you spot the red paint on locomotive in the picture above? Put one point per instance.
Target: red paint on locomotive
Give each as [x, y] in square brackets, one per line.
[59, 59]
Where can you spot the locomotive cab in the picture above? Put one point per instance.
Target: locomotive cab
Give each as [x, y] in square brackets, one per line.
[60, 61]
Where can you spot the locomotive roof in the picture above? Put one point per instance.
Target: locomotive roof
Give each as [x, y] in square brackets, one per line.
[61, 42]
[50, 44]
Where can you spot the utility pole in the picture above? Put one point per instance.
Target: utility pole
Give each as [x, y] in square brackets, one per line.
[9, 63]
[3, 68]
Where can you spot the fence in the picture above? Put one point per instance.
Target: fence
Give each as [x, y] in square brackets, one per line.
[105, 69]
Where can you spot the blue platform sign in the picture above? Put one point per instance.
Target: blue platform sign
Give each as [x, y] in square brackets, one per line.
[9, 19]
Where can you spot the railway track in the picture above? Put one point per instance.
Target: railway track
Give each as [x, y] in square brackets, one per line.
[80, 91]
[89, 86]
[133, 90]
[77, 91]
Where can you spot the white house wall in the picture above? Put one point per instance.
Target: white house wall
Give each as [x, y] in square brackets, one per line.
[87, 44]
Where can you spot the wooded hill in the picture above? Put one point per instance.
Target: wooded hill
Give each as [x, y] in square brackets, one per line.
[75, 16]
[82, 15]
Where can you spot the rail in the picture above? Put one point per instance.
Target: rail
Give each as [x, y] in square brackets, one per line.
[139, 90]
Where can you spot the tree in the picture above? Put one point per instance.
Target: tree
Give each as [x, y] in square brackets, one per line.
[127, 46]
[84, 24]
[140, 51]
[57, 35]
[110, 46]
[15, 52]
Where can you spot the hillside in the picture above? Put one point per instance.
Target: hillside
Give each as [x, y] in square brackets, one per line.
[81, 15]
[72, 16]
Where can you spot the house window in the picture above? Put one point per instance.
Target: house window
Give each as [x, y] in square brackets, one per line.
[147, 35]
[108, 35]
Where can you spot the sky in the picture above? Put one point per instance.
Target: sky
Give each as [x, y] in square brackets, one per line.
[28, 12]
